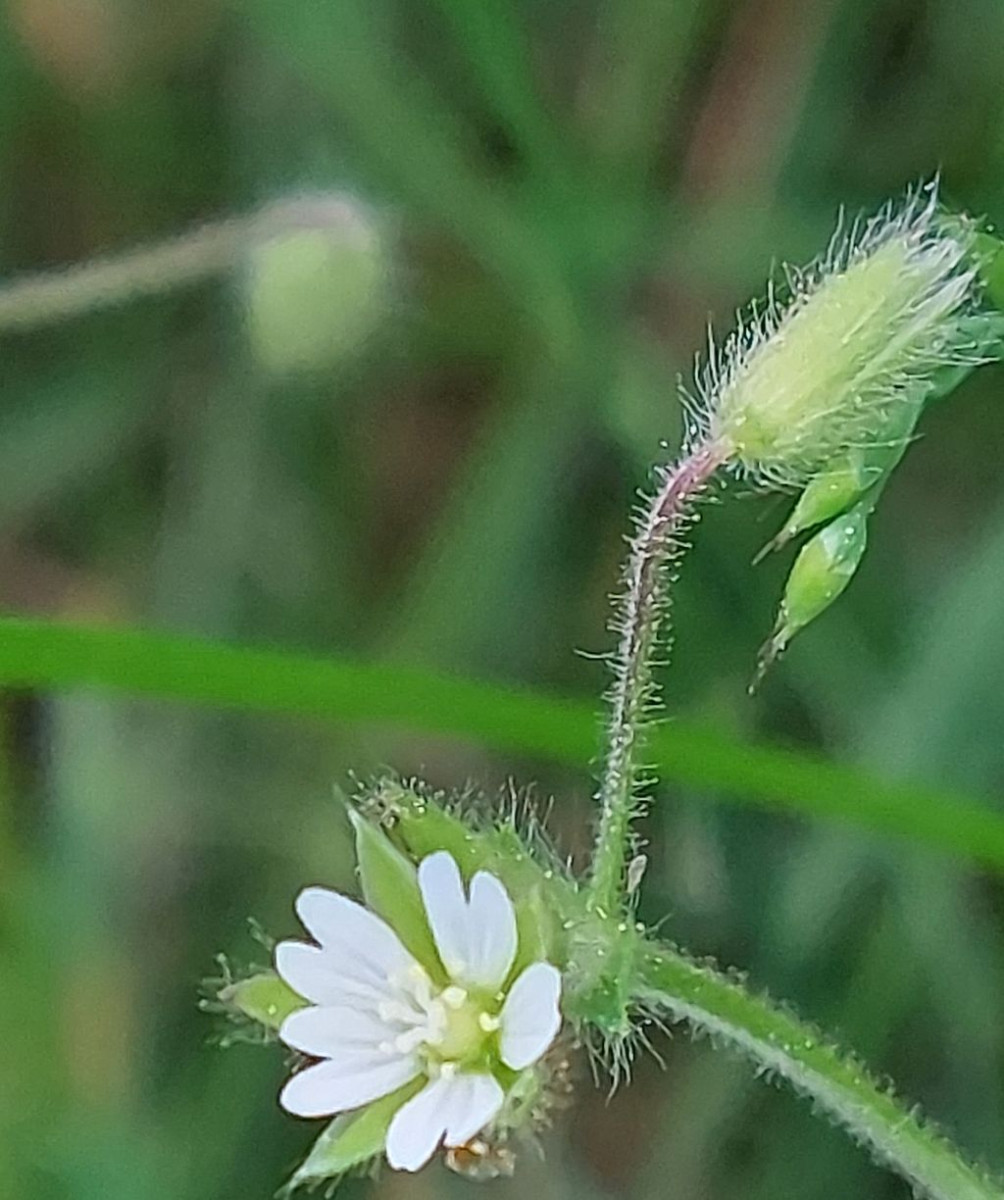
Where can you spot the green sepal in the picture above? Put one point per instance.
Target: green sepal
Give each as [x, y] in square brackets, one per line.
[353, 1138]
[824, 567]
[390, 887]
[863, 469]
[990, 264]
[422, 827]
[982, 338]
[543, 897]
[536, 931]
[824, 497]
[265, 998]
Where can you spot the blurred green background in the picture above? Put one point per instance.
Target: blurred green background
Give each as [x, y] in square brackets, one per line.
[413, 440]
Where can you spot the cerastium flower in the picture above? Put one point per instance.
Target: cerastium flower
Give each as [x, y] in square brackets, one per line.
[432, 1016]
[441, 1040]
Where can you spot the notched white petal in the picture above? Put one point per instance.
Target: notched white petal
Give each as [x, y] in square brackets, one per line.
[476, 938]
[323, 977]
[363, 943]
[333, 1031]
[419, 1126]
[334, 1087]
[492, 923]
[475, 1103]
[530, 1017]
[446, 907]
[303, 967]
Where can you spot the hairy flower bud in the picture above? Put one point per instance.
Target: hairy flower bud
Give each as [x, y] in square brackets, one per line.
[862, 333]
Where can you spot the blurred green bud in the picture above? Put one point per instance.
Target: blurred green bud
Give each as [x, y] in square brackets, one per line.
[863, 333]
[823, 569]
[315, 285]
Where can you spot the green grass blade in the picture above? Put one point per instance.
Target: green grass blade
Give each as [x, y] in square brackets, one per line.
[40, 655]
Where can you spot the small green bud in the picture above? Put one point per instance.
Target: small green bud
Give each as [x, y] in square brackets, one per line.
[265, 999]
[314, 287]
[823, 569]
[863, 333]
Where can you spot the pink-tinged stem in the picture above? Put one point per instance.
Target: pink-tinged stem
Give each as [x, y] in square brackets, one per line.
[638, 620]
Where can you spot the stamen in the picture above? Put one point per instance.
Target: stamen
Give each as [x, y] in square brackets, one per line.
[397, 1010]
[489, 1023]
[454, 997]
[405, 1043]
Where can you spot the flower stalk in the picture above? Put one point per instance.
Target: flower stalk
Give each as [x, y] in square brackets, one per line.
[656, 544]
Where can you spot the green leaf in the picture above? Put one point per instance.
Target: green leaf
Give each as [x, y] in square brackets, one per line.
[353, 1138]
[390, 887]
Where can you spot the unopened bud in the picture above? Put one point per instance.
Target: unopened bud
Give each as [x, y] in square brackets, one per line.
[863, 332]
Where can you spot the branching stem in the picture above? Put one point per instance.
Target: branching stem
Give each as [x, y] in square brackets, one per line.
[779, 1044]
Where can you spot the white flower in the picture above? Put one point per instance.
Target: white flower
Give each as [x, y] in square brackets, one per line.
[379, 1022]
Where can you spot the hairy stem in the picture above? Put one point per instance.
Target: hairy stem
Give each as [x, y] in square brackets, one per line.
[780, 1044]
[638, 621]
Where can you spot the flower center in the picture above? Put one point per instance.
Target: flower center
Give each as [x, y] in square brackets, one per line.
[467, 1029]
[449, 1029]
